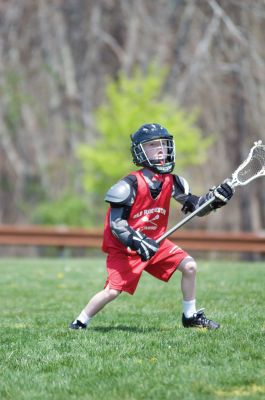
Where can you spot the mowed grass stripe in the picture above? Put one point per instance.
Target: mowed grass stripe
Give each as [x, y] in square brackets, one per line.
[136, 347]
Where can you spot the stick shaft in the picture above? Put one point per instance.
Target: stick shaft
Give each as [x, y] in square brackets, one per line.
[186, 219]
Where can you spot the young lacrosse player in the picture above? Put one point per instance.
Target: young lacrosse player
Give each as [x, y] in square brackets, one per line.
[138, 215]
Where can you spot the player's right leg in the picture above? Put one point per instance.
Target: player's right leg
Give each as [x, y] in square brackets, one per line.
[95, 304]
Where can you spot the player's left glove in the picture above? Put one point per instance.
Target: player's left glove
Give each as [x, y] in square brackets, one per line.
[222, 193]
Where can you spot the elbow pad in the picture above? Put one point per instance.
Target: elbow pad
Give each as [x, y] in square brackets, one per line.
[120, 228]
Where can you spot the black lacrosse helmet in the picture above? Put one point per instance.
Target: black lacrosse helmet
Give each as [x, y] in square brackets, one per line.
[148, 133]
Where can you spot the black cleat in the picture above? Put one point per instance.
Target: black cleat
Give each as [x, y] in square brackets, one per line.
[199, 320]
[77, 325]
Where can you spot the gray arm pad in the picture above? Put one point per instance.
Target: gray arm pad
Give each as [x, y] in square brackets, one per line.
[119, 226]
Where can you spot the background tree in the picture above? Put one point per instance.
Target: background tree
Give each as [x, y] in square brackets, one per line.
[55, 58]
[130, 103]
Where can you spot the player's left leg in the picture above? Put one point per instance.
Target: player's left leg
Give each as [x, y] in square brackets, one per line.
[166, 261]
[188, 268]
[190, 317]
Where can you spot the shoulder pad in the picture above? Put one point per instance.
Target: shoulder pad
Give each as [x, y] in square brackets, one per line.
[119, 193]
[182, 183]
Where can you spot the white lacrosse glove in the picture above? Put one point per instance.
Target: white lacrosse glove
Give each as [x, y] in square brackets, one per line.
[143, 245]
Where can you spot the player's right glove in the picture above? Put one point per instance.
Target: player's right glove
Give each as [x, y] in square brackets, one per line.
[143, 245]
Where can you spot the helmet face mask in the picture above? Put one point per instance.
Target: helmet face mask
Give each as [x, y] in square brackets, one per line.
[153, 147]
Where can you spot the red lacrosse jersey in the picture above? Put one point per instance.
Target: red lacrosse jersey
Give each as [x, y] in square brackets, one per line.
[147, 215]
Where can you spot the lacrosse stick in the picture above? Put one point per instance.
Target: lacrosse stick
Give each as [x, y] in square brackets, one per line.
[251, 168]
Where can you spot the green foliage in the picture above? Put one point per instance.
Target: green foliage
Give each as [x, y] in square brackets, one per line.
[67, 210]
[14, 100]
[130, 103]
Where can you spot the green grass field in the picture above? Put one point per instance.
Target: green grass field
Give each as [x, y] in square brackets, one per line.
[136, 347]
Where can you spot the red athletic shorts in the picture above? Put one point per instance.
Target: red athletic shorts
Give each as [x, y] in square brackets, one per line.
[124, 271]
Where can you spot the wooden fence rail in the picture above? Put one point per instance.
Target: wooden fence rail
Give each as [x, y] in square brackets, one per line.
[91, 238]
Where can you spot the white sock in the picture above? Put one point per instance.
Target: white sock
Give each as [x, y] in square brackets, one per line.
[189, 308]
[83, 317]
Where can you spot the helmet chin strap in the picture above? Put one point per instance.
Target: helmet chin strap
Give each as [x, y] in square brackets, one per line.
[154, 171]
[157, 162]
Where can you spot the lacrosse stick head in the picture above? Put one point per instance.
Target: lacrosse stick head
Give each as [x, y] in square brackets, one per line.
[252, 167]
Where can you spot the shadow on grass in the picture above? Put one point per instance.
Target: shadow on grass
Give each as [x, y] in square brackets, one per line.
[124, 328]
